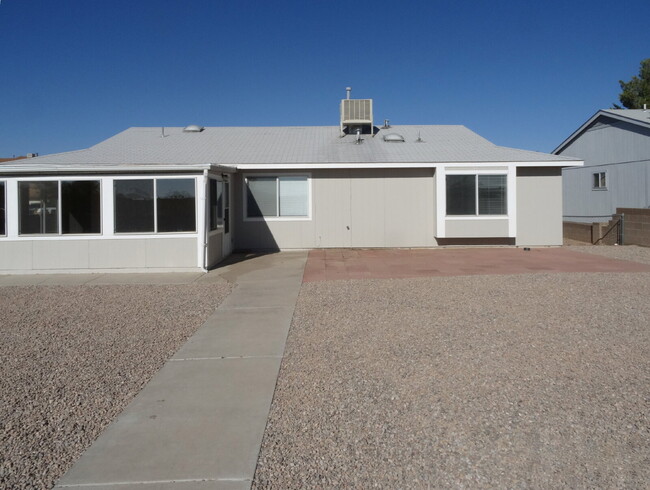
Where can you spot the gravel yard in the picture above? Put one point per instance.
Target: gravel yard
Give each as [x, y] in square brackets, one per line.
[71, 358]
[530, 380]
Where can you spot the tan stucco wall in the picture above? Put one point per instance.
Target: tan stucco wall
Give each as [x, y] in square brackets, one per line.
[539, 206]
[351, 208]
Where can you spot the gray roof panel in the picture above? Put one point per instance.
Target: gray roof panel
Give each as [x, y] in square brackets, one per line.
[234, 146]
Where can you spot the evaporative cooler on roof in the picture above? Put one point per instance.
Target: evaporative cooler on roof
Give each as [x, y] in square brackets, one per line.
[356, 114]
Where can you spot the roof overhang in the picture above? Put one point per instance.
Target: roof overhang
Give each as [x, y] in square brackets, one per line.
[280, 166]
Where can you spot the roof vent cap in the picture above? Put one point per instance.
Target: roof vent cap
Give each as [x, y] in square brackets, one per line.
[193, 128]
[393, 138]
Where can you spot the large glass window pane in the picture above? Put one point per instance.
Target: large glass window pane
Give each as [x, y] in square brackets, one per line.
[226, 207]
[492, 196]
[214, 205]
[133, 206]
[175, 205]
[38, 203]
[461, 195]
[261, 197]
[294, 196]
[80, 207]
[3, 213]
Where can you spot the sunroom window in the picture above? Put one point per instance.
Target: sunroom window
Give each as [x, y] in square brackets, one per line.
[173, 209]
[39, 208]
[277, 196]
[476, 195]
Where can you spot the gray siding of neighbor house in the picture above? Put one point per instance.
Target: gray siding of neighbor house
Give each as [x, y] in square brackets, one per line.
[539, 206]
[350, 208]
[620, 149]
[98, 254]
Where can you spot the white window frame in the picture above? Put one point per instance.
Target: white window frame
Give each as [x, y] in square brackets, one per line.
[476, 198]
[277, 176]
[602, 176]
[58, 180]
[155, 231]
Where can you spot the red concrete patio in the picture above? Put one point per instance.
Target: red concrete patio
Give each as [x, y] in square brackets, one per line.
[333, 264]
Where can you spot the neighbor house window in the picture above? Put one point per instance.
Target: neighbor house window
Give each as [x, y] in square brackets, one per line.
[277, 197]
[155, 205]
[39, 204]
[3, 212]
[80, 206]
[471, 195]
[600, 180]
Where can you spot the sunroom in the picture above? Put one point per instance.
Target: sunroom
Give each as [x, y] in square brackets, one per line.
[72, 221]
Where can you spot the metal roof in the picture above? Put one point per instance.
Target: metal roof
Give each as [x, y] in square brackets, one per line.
[640, 117]
[233, 146]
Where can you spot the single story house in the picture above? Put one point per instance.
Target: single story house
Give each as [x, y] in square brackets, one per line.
[615, 147]
[184, 198]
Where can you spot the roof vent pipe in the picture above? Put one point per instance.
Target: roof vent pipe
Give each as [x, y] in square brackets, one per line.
[386, 124]
[358, 136]
[348, 90]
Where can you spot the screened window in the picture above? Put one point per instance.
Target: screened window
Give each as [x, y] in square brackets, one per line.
[3, 212]
[38, 208]
[175, 205]
[600, 180]
[469, 195]
[285, 196]
[134, 206]
[216, 204]
[80, 206]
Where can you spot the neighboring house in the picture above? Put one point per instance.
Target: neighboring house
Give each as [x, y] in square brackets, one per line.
[184, 198]
[615, 147]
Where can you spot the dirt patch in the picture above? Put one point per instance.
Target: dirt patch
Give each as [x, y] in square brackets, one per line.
[71, 358]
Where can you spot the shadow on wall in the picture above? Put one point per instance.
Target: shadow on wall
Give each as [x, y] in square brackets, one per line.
[252, 236]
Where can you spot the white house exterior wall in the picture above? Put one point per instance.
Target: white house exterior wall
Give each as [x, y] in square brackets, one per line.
[107, 251]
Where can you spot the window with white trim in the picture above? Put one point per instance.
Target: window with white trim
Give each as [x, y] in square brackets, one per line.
[59, 207]
[155, 205]
[277, 196]
[599, 180]
[476, 195]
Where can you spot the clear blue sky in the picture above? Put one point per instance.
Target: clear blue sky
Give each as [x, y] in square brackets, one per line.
[521, 73]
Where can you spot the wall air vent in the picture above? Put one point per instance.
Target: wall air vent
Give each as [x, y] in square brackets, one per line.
[193, 128]
[356, 114]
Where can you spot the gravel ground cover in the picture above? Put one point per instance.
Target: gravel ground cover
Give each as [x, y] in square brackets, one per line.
[535, 380]
[71, 358]
[626, 252]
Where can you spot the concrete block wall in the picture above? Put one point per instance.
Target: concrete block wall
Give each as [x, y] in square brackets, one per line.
[580, 232]
[637, 226]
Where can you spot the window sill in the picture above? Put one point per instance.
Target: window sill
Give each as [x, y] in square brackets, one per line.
[477, 216]
[278, 218]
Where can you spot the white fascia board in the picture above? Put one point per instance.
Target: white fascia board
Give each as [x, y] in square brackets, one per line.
[302, 166]
[119, 168]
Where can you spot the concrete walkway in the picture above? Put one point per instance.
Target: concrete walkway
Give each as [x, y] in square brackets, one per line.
[199, 422]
